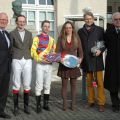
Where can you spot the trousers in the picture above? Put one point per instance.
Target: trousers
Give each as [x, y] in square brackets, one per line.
[100, 88]
[4, 87]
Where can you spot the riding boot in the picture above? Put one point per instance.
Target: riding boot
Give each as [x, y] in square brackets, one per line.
[38, 104]
[15, 99]
[46, 102]
[26, 102]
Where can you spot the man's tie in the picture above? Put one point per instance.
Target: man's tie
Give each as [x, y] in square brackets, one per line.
[3, 33]
[118, 31]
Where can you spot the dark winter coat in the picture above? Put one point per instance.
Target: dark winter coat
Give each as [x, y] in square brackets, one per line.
[5, 54]
[88, 40]
[112, 62]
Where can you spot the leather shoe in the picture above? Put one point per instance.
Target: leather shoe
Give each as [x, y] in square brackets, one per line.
[4, 115]
[89, 105]
[115, 109]
[27, 111]
[101, 108]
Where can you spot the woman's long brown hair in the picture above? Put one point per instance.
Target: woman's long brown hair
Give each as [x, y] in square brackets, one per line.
[63, 35]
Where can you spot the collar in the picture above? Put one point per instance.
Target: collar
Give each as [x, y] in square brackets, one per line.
[89, 28]
[117, 30]
[44, 35]
[19, 30]
[2, 30]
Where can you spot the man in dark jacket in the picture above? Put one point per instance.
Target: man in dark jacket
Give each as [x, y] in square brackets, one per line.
[112, 62]
[5, 61]
[91, 35]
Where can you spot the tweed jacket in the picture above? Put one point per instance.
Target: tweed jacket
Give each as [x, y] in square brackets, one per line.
[21, 49]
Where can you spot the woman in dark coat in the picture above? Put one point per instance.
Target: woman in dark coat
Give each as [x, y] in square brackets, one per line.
[92, 63]
[68, 43]
[112, 62]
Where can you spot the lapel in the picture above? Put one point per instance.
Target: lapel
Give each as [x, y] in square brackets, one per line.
[8, 35]
[92, 29]
[3, 41]
[25, 37]
[18, 36]
[91, 34]
[115, 34]
[85, 31]
[114, 31]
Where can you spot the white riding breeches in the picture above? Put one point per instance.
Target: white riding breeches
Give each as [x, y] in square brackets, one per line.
[22, 70]
[43, 78]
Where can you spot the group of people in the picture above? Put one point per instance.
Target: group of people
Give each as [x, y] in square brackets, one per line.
[18, 48]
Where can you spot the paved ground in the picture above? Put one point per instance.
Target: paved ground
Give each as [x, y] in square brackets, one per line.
[56, 112]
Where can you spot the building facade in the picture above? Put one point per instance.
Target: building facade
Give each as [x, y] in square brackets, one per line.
[112, 6]
[58, 11]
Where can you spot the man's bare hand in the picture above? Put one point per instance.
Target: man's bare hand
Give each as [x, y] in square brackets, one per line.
[45, 62]
[79, 61]
[98, 52]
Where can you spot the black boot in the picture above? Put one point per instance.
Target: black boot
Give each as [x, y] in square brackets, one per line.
[26, 102]
[16, 109]
[38, 104]
[46, 102]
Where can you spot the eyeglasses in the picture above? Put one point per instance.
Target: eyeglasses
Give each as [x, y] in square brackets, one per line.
[4, 20]
[117, 19]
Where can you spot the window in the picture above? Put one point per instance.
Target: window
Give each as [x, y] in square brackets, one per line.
[119, 9]
[24, 1]
[28, 1]
[24, 13]
[46, 2]
[30, 17]
[47, 16]
[37, 11]
[42, 2]
[109, 9]
[42, 16]
[50, 17]
[50, 2]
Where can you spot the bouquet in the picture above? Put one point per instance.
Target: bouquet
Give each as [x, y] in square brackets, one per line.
[53, 57]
